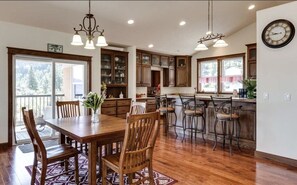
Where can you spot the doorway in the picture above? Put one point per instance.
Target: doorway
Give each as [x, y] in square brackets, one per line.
[40, 82]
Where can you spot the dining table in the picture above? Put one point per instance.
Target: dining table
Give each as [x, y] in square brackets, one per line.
[109, 129]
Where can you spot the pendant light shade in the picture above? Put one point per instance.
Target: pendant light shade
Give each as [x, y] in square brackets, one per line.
[76, 40]
[101, 41]
[201, 47]
[89, 44]
[220, 43]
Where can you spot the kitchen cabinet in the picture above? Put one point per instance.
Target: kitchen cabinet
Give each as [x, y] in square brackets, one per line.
[143, 69]
[164, 61]
[169, 74]
[156, 60]
[183, 71]
[114, 72]
[118, 107]
[252, 61]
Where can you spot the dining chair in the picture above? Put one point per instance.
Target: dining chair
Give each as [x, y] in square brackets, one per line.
[228, 115]
[66, 109]
[138, 108]
[137, 151]
[59, 153]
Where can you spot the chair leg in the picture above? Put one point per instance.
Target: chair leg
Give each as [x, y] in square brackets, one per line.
[151, 174]
[130, 178]
[34, 169]
[231, 132]
[224, 133]
[215, 132]
[238, 133]
[76, 169]
[66, 166]
[184, 127]
[43, 173]
[121, 178]
[203, 128]
[176, 135]
[104, 173]
[195, 126]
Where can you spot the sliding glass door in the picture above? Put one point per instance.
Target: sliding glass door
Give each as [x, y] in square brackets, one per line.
[39, 83]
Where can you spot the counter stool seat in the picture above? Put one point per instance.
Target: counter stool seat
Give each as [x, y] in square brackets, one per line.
[222, 116]
[166, 109]
[193, 112]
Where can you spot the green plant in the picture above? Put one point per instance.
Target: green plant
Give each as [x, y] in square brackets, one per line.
[250, 84]
[93, 101]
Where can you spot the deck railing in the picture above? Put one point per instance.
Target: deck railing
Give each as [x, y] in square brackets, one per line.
[39, 103]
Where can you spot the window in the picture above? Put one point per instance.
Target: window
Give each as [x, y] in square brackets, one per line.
[220, 74]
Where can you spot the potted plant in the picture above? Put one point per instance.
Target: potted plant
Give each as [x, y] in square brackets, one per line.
[250, 86]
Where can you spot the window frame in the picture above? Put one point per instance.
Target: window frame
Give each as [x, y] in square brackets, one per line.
[219, 60]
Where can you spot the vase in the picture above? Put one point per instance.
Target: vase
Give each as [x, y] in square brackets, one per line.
[95, 116]
[250, 94]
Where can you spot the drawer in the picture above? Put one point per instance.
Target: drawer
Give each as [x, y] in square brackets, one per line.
[150, 102]
[123, 110]
[124, 102]
[122, 116]
[141, 100]
[151, 108]
[109, 104]
[108, 111]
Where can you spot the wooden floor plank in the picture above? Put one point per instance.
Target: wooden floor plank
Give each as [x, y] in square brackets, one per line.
[189, 163]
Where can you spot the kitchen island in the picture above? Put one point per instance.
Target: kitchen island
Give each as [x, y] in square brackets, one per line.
[247, 119]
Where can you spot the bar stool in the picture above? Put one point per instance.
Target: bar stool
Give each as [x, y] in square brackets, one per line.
[166, 107]
[228, 116]
[193, 109]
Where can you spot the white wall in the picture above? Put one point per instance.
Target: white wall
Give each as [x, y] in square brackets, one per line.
[20, 36]
[132, 72]
[276, 73]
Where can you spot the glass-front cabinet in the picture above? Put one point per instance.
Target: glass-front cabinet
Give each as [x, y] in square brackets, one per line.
[114, 72]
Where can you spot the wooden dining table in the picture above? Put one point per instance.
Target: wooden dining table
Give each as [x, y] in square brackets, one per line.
[110, 129]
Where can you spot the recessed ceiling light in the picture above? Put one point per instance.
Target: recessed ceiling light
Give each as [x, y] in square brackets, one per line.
[182, 23]
[131, 21]
[151, 46]
[251, 7]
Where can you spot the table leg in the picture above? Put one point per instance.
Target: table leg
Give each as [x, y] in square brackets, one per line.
[93, 152]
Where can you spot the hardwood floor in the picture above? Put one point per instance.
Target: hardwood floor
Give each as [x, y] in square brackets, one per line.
[189, 163]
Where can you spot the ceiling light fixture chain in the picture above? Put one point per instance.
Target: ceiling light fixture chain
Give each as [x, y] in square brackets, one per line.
[219, 42]
[89, 27]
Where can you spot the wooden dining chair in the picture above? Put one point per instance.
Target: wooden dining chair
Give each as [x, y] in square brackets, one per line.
[138, 108]
[137, 151]
[66, 109]
[59, 153]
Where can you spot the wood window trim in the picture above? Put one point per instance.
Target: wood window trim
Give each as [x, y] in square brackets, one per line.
[19, 51]
[219, 64]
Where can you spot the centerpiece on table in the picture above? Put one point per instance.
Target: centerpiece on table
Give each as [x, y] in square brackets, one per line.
[94, 101]
[250, 85]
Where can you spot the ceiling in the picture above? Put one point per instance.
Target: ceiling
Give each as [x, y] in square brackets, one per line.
[156, 22]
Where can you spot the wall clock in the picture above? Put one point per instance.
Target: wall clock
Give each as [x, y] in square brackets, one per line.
[278, 33]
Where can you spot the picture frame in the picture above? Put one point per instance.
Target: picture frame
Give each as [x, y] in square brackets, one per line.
[55, 48]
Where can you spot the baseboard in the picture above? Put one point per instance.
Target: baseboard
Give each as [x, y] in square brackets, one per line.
[283, 160]
[3, 146]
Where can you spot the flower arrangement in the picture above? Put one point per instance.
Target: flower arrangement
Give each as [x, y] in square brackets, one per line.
[94, 101]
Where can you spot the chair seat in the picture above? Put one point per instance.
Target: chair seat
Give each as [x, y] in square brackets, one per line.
[193, 112]
[167, 109]
[57, 152]
[222, 116]
[112, 159]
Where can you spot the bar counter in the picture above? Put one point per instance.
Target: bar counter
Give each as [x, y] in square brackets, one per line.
[247, 119]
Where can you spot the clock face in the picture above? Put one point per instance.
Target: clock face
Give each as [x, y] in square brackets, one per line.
[278, 33]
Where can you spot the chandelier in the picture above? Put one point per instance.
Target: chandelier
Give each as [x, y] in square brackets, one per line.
[217, 38]
[90, 27]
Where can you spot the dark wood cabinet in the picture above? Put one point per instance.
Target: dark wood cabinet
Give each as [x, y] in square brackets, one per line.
[143, 69]
[169, 74]
[183, 71]
[114, 72]
[150, 103]
[164, 61]
[156, 60]
[116, 107]
[252, 61]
